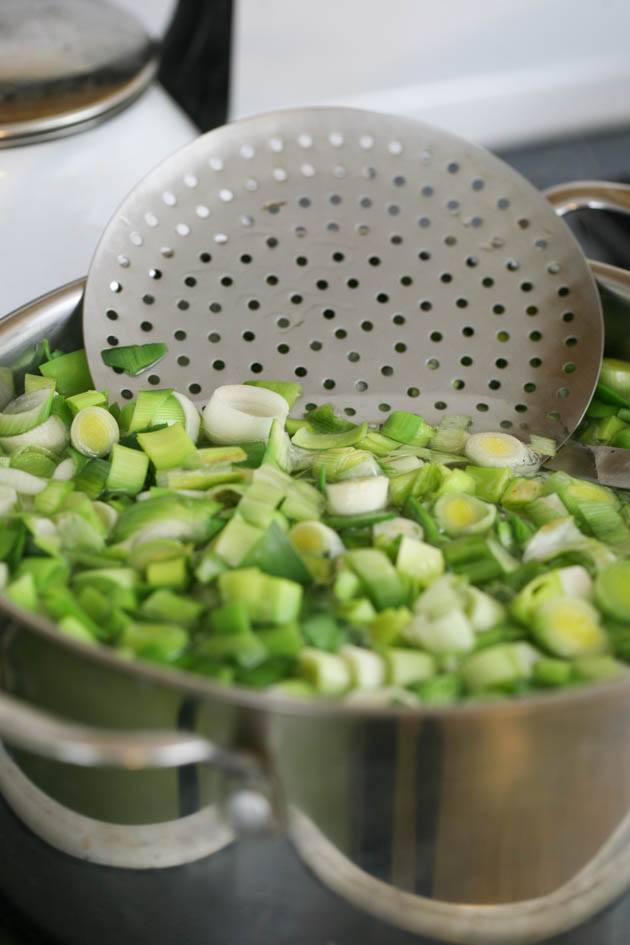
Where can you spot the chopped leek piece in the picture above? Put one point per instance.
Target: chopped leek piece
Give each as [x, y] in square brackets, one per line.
[167, 448]
[275, 554]
[134, 359]
[31, 382]
[88, 398]
[462, 514]
[500, 450]
[328, 673]
[551, 672]
[597, 668]
[490, 481]
[50, 435]
[569, 627]
[323, 632]
[26, 412]
[612, 590]
[379, 577]
[269, 600]
[314, 538]
[169, 573]
[191, 416]
[94, 432]
[519, 493]
[499, 667]
[367, 668]
[237, 413]
[386, 629]
[309, 440]
[405, 667]
[418, 561]
[450, 633]
[387, 535]
[236, 541]
[358, 496]
[615, 375]
[573, 581]
[35, 460]
[128, 470]
[158, 642]
[324, 420]
[70, 373]
[407, 428]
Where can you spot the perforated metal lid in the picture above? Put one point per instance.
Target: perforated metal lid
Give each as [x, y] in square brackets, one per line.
[65, 64]
[382, 262]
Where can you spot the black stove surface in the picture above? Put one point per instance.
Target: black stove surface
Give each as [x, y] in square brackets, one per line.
[604, 156]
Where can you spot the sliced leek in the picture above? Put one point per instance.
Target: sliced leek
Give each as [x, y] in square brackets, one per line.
[357, 496]
[238, 413]
[94, 432]
[26, 412]
[500, 450]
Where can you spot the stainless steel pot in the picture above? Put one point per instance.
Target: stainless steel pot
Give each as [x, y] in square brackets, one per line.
[171, 798]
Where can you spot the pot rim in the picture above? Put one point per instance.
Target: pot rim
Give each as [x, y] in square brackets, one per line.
[201, 686]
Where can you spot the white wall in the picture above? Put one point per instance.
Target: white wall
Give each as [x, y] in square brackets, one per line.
[498, 71]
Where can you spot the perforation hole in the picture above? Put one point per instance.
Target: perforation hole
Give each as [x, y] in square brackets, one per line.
[494, 384]
[283, 322]
[466, 361]
[218, 365]
[249, 336]
[361, 386]
[301, 372]
[203, 257]
[457, 384]
[498, 309]
[256, 367]
[283, 349]
[501, 363]
[271, 280]
[112, 340]
[183, 305]
[413, 392]
[153, 379]
[367, 326]
[432, 364]
[316, 345]
[468, 331]
[111, 314]
[440, 405]
[179, 335]
[146, 326]
[398, 319]
[329, 384]
[183, 361]
[214, 337]
[341, 333]
[253, 305]
[126, 393]
[387, 370]
[353, 356]
[400, 347]
[328, 313]
[425, 305]
[424, 255]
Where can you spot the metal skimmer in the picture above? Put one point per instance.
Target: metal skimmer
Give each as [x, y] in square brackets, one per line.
[382, 262]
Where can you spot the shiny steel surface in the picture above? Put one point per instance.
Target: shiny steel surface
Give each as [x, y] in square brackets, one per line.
[382, 262]
[603, 464]
[486, 824]
[65, 64]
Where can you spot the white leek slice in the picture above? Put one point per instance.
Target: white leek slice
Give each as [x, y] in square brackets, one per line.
[562, 534]
[237, 413]
[357, 496]
[26, 412]
[94, 431]
[52, 435]
[24, 483]
[396, 465]
[65, 470]
[8, 498]
[4, 575]
[462, 514]
[192, 420]
[367, 669]
[384, 533]
[483, 611]
[315, 538]
[500, 450]
[450, 633]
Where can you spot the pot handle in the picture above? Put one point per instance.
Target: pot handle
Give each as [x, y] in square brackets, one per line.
[595, 195]
[60, 740]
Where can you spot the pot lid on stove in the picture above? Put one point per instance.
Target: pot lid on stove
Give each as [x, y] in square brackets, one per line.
[66, 64]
